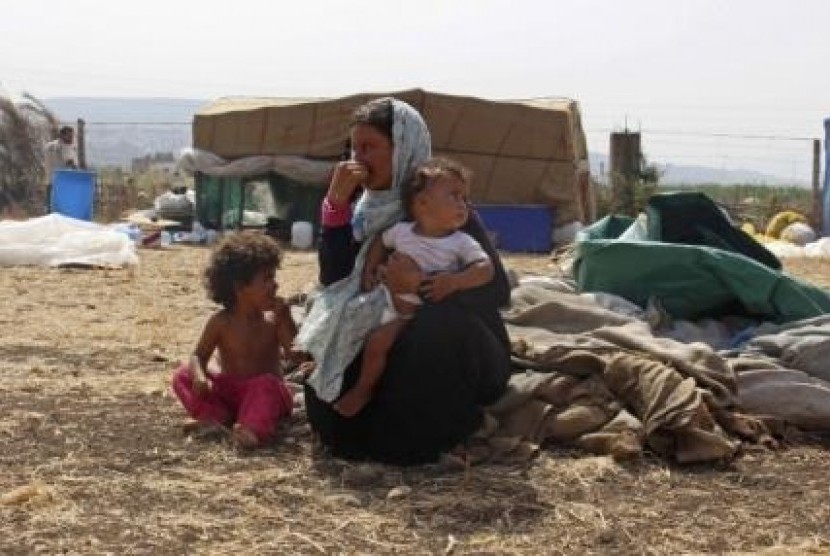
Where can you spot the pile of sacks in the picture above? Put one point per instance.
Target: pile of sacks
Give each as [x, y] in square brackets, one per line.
[601, 381]
[789, 234]
[788, 226]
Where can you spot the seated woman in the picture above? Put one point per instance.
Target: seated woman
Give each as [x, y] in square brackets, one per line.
[452, 357]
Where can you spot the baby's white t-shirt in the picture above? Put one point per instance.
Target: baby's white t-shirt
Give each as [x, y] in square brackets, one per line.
[434, 254]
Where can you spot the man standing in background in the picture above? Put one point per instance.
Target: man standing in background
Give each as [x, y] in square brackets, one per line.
[60, 153]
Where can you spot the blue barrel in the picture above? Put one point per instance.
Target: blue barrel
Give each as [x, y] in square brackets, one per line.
[73, 193]
[519, 228]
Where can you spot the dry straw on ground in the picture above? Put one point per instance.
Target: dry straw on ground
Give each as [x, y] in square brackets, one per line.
[91, 439]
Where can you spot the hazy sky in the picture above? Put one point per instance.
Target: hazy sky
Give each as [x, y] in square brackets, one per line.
[670, 68]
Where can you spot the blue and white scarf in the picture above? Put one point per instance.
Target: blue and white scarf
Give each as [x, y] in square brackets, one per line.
[342, 316]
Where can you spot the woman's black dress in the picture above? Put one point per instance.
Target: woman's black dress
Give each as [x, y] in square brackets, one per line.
[451, 358]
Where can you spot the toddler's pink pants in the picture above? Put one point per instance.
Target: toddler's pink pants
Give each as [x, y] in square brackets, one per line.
[257, 402]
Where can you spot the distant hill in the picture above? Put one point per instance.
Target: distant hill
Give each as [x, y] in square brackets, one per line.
[120, 129]
[677, 174]
[673, 174]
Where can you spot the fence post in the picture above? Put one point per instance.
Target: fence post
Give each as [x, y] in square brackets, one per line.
[816, 217]
[81, 144]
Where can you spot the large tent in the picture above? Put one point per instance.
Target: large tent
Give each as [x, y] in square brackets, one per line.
[521, 152]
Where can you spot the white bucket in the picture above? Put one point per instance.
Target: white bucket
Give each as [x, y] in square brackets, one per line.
[166, 239]
[302, 235]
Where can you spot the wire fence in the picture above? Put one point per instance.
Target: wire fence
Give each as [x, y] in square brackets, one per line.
[763, 171]
[753, 176]
[695, 157]
[117, 197]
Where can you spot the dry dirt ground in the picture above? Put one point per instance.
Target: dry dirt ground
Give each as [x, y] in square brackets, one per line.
[93, 459]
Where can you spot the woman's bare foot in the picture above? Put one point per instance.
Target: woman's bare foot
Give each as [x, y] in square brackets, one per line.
[352, 402]
[306, 368]
[243, 437]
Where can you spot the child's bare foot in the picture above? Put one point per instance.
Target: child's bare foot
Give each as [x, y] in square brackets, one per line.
[352, 402]
[203, 430]
[190, 426]
[243, 437]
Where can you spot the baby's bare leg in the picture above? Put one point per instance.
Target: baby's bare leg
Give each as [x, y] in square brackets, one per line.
[374, 362]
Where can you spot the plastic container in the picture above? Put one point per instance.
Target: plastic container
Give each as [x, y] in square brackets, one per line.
[638, 231]
[519, 228]
[302, 235]
[73, 193]
[198, 234]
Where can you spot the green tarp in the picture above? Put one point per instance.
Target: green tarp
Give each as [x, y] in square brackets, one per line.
[691, 281]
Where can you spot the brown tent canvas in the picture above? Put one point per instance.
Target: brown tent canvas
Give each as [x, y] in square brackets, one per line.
[521, 152]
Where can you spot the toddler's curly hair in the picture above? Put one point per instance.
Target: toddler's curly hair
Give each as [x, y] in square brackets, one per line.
[235, 262]
[426, 174]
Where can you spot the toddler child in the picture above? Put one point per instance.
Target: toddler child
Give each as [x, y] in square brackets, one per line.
[252, 333]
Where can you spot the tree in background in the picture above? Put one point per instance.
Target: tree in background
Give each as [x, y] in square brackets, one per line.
[628, 194]
[25, 127]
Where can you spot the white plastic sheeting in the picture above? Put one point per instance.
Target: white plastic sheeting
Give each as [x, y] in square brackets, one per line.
[293, 167]
[55, 240]
[819, 249]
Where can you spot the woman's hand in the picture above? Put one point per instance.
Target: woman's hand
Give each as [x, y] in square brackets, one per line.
[401, 274]
[348, 175]
[369, 279]
[438, 287]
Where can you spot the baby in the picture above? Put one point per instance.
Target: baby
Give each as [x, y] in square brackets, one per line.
[436, 201]
[252, 332]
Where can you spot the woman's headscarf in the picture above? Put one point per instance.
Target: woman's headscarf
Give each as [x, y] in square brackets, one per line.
[342, 316]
